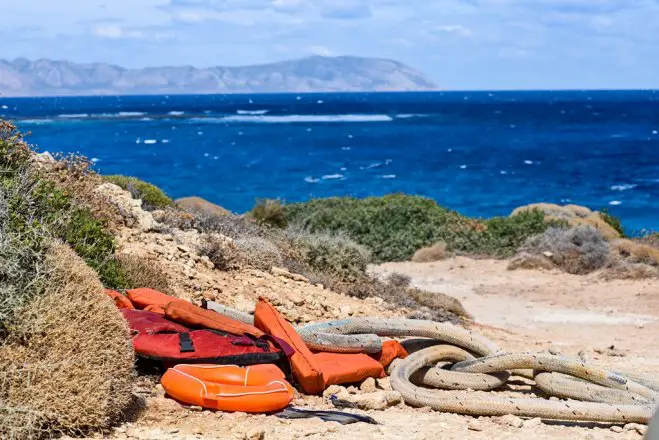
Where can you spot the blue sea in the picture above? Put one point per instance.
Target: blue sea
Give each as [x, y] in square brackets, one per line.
[481, 153]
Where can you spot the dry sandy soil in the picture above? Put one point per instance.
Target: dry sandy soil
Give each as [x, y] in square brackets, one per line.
[609, 323]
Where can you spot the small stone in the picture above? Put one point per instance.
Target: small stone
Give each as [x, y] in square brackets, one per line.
[533, 423]
[184, 249]
[368, 386]
[346, 310]
[173, 430]
[616, 429]
[195, 408]
[640, 429]
[255, 434]
[295, 298]
[197, 431]
[474, 425]
[384, 383]
[337, 390]
[510, 420]
[548, 254]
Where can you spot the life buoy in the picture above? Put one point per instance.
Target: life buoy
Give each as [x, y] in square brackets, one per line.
[255, 389]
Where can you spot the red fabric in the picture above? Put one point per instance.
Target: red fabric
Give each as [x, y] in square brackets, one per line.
[155, 337]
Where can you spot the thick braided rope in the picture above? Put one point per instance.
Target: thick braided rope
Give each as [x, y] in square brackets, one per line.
[488, 405]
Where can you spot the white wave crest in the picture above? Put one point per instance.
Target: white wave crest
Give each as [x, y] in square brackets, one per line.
[252, 112]
[74, 116]
[333, 176]
[311, 179]
[290, 119]
[129, 114]
[176, 113]
[624, 187]
[150, 141]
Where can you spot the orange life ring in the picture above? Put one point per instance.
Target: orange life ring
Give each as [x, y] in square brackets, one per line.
[254, 389]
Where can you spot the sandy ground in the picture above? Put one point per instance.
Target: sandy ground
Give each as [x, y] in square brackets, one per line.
[609, 323]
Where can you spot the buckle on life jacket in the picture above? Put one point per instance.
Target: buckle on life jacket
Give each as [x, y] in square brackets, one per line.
[185, 343]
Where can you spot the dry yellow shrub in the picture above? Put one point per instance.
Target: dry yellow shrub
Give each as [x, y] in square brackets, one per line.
[637, 252]
[67, 365]
[144, 272]
[436, 252]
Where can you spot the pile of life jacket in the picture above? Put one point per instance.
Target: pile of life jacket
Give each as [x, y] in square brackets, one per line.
[219, 363]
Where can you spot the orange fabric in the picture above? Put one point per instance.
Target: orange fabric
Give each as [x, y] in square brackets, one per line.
[305, 369]
[190, 315]
[155, 309]
[119, 300]
[144, 297]
[255, 389]
[315, 372]
[340, 368]
[390, 350]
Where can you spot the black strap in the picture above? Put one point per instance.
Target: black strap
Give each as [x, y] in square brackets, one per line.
[327, 416]
[185, 343]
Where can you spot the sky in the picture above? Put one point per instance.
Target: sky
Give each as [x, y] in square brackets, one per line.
[460, 44]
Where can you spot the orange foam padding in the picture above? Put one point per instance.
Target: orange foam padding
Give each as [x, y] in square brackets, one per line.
[119, 300]
[145, 297]
[341, 368]
[315, 372]
[155, 309]
[304, 366]
[190, 315]
[255, 389]
[390, 350]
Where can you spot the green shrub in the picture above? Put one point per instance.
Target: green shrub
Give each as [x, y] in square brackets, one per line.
[152, 197]
[332, 254]
[270, 212]
[395, 226]
[612, 221]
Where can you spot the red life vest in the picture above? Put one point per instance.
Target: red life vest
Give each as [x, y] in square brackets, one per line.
[155, 337]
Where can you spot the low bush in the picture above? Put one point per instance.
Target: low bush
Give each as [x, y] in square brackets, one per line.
[66, 366]
[635, 252]
[140, 272]
[394, 227]
[436, 252]
[579, 250]
[152, 197]
[612, 221]
[332, 254]
[224, 255]
[270, 212]
[259, 253]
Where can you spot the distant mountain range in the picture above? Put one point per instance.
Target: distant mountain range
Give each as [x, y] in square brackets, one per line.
[44, 77]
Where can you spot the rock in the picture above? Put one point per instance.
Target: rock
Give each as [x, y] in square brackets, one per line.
[195, 408]
[616, 429]
[474, 425]
[339, 391]
[197, 430]
[279, 272]
[346, 310]
[376, 401]
[197, 205]
[529, 261]
[384, 383]
[533, 423]
[509, 420]
[44, 157]
[255, 434]
[548, 254]
[368, 386]
[184, 249]
[295, 298]
[640, 429]
[130, 209]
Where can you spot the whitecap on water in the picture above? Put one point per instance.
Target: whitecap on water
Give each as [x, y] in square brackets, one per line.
[310, 179]
[450, 150]
[252, 112]
[200, 133]
[320, 101]
[206, 154]
[343, 169]
[176, 113]
[4, 107]
[463, 167]
[655, 132]
[150, 141]
[95, 159]
[215, 157]
[503, 172]
[346, 148]
[528, 162]
[615, 202]
[624, 187]
[165, 141]
[333, 176]
[388, 176]
[138, 140]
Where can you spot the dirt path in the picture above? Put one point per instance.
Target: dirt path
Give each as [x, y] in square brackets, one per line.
[576, 316]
